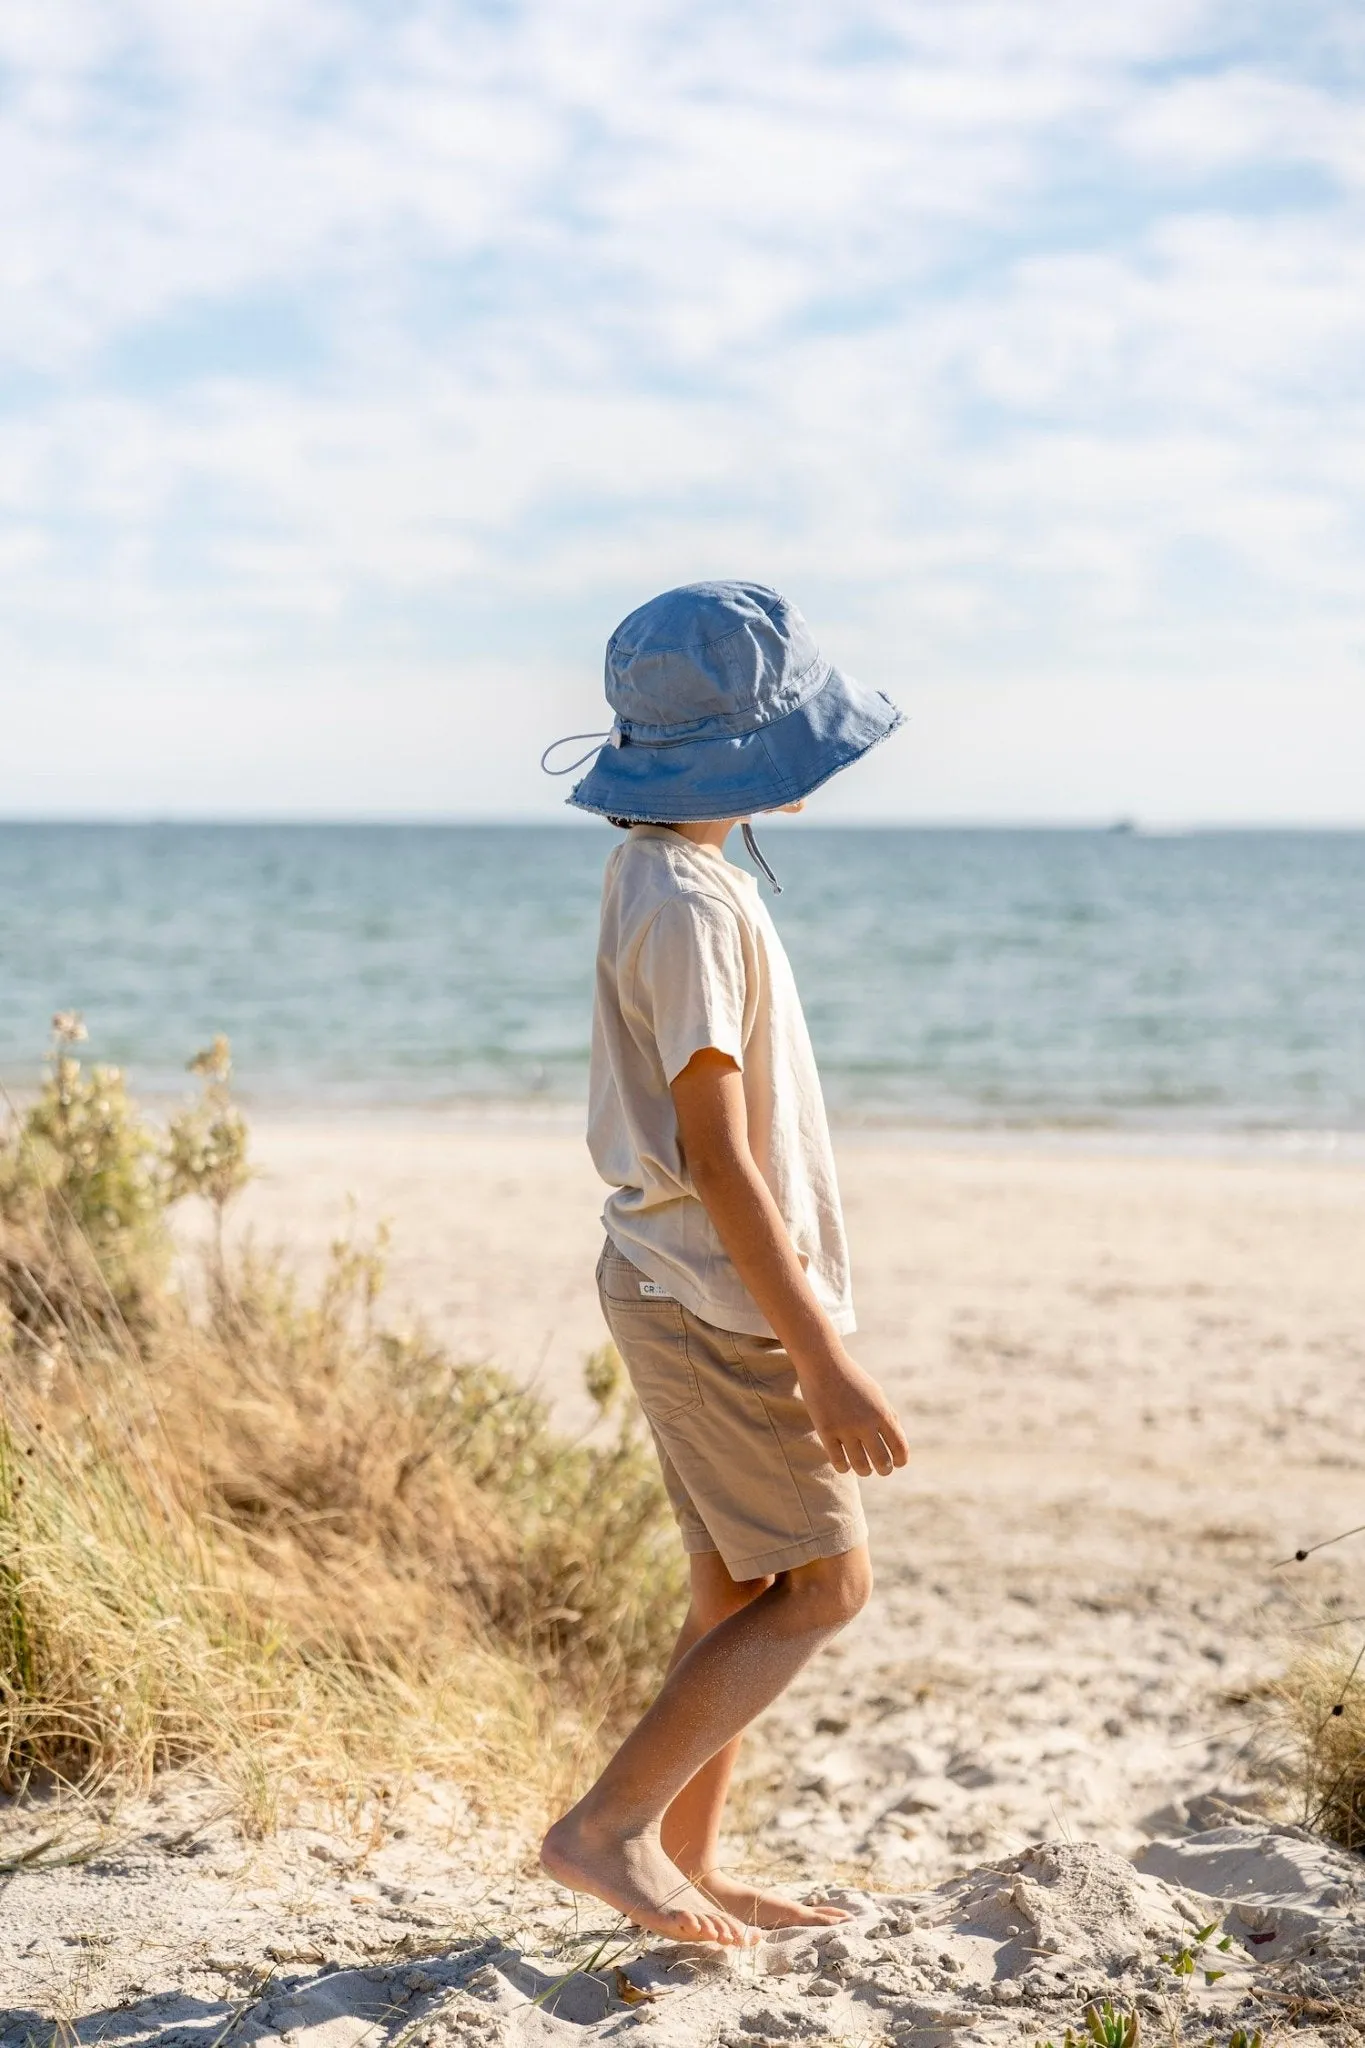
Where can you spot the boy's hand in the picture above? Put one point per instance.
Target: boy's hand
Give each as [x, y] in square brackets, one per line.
[853, 1419]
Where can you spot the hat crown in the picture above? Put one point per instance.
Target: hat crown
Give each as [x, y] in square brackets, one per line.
[710, 658]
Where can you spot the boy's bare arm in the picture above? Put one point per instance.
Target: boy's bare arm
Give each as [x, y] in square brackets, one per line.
[852, 1416]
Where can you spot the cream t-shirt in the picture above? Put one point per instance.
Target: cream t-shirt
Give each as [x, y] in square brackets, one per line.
[689, 957]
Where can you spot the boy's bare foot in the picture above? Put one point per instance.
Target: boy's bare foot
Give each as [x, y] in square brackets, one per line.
[756, 1908]
[632, 1873]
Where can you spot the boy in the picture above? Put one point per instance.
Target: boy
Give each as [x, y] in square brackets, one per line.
[724, 1279]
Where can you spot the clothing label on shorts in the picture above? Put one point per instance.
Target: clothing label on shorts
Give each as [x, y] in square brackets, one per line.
[654, 1292]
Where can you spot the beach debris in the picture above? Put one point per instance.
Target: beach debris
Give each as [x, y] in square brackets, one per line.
[631, 1993]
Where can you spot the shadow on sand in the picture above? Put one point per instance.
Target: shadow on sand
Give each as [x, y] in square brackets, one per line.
[370, 2006]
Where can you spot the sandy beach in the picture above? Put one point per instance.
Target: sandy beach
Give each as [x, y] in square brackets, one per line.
[1132, 1383]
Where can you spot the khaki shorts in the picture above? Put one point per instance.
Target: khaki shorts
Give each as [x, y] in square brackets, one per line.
[747, 1475]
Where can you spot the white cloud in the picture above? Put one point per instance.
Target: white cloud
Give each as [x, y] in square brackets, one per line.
[355, 351]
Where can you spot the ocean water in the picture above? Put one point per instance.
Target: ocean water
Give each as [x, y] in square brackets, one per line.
[1212, 982]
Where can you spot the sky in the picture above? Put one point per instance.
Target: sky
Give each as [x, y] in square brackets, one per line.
[361, 365]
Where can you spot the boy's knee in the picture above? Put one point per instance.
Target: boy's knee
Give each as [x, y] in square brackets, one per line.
[715, 1595]
[833, 1590]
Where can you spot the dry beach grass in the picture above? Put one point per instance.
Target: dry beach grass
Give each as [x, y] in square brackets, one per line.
[252, 1527]
[1320, 1700]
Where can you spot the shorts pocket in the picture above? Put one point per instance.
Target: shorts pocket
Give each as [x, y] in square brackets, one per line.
[767, 1367]
[651, 1337]
[624, 1285]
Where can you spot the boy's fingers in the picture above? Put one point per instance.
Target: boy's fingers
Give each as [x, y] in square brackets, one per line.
[878, 1450]
[897, 1443]
[881, 1457]
[838, 1458]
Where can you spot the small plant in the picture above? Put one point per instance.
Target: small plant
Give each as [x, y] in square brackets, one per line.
[206, 1145]
[1110, 2028]
[1192, 1955]
[84, 1173]
[1105, 2027]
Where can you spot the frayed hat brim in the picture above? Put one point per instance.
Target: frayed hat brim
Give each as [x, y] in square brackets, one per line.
[780, 762]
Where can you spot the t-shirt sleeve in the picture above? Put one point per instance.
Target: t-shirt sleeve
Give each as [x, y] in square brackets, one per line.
[691, 981]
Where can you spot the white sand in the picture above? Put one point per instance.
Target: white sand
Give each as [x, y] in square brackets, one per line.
[1132, 1384]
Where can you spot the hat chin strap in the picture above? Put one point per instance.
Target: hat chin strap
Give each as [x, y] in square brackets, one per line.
[751, 846]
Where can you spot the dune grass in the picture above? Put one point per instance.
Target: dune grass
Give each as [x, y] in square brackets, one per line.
[259, 1530]
[1320, 1701]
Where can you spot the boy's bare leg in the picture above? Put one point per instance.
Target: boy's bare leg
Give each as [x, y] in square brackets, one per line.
[692, 1825]
[610, 1843]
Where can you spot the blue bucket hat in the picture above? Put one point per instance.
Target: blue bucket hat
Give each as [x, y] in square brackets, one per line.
[724, 706]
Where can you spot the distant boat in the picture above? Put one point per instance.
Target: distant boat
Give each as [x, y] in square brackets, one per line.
[1123, 825]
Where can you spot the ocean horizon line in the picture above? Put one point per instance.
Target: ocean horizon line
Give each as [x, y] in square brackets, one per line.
[1120, 826]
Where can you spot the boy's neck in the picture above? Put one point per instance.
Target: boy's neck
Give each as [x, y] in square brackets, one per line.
[708, 831]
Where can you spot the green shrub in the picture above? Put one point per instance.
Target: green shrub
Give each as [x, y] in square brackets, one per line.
[81, 1177]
